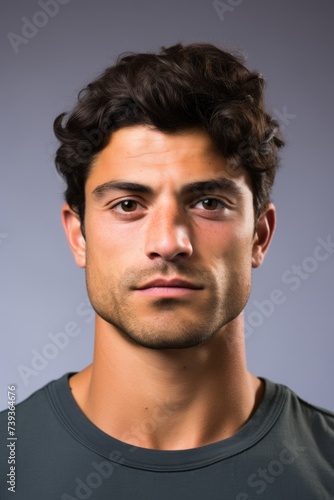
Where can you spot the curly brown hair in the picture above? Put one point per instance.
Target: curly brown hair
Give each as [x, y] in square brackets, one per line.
[181, 87]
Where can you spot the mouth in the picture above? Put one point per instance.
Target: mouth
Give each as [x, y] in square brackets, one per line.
[169, 288]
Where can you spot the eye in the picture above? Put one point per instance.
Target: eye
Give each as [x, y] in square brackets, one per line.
[126, 206]
[210, 204]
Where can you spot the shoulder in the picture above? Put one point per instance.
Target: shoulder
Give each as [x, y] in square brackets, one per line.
[310, 425]
[31, 402]
[310, 413]
[36, 399]
[35, 409]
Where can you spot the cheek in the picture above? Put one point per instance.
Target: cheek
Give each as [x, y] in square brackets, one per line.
[230, 242]
[231, 262]
[111, 249]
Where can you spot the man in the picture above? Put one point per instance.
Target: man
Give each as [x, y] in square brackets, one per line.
[169, 161]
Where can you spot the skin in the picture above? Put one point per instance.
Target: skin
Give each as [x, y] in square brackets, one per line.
[169, 369]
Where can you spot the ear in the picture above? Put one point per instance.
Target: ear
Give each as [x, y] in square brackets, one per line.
[76, 241]
[264, 231]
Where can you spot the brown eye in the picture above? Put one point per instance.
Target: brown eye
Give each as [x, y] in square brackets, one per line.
[210, 204]
[128, 205]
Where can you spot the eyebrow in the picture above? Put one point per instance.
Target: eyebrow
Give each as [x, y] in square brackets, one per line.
[212, 185]
[109, 186]
[198, 187]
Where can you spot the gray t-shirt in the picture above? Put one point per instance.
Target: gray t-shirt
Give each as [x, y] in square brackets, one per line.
[285, 451]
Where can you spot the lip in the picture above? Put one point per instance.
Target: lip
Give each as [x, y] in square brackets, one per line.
[173, 283]
[176, 287]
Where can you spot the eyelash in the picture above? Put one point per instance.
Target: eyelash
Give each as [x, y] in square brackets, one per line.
[194, 203]
[223, 205]
[124, 201]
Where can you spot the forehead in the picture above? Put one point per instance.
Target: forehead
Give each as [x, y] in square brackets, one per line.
[140, 153]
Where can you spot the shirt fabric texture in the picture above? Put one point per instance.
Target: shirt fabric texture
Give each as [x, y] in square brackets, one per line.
[285, 451]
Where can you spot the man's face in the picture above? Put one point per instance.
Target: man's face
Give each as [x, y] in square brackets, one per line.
[169, 237]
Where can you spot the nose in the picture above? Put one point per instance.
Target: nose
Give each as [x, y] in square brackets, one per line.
[168, 235]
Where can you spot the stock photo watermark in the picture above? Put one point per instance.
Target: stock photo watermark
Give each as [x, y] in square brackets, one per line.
[11, 438]
[222, 8]
[292, 278]
[263, 477]
[95, 139]
[57, 342]
[283, 117]
[31, 26]
[84, 487]
[99, 473]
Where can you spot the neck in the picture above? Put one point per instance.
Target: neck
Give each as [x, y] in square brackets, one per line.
[168, 399]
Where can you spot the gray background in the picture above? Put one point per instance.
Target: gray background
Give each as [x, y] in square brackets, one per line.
[291, 43]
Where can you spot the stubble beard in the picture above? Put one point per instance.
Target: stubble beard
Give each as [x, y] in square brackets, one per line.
[170, 324]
